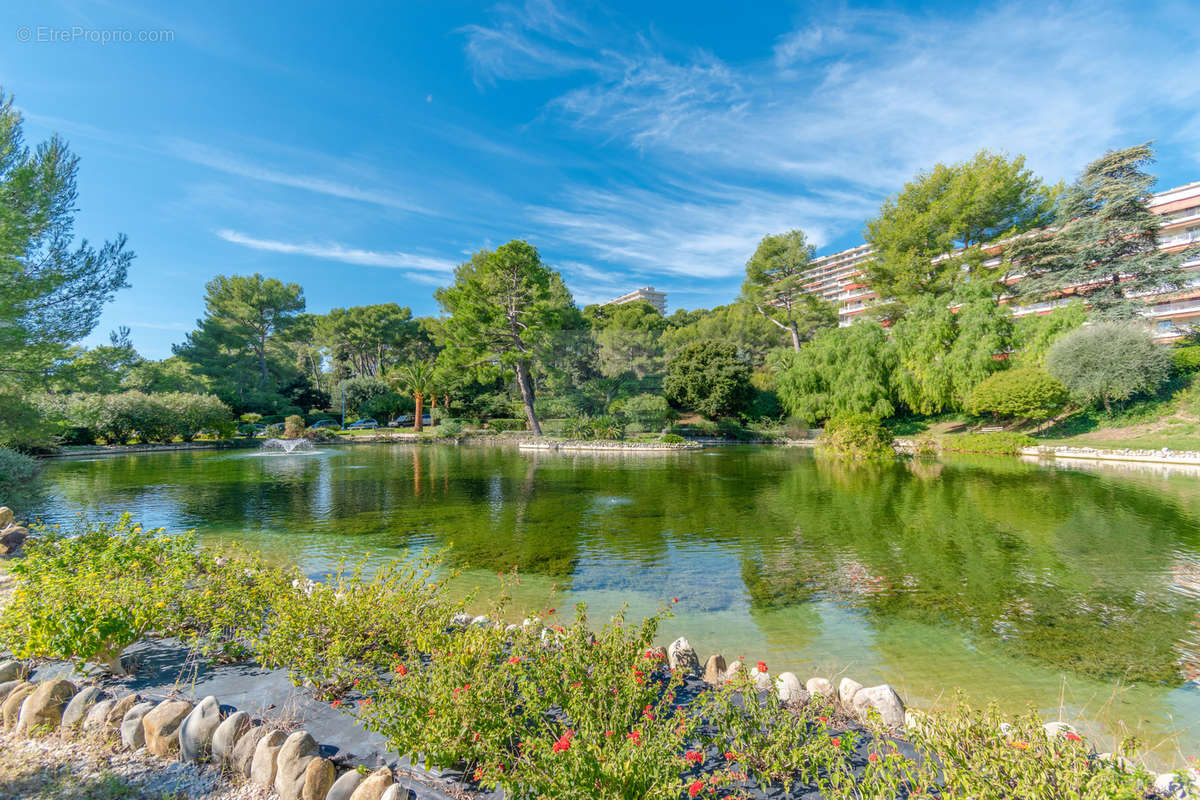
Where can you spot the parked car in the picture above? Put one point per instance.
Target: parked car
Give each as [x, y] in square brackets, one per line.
[367, 424]
[403, 419]
[325, 423]
[252, 429]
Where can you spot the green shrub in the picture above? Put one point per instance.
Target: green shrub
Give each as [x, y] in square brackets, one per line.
[17, 472]
[859, 436]
[293, 427]
[500, 424]
[672, 438]
[708, 376]
[1018, 393]
[1107, 363]
[996, 442]
[1185, 360]
[650, 412]
[450, 427]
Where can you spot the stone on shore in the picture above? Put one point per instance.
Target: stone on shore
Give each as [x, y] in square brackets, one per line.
[6, 687]
[374, 785]
[243, 752]
[1057, 729]
[344, 786]
[6, 516]
[227, 735]
[290, 764]
[42, 710]
[112, 721]
[846, 691]
[94, 721]
[682, 658]
[13, 671]
[398, 792]
[133, 733]
[318, 779]
[714, 670]
[733, 670]
[262, 769]
[10, 711]
[161, 726]
[820, 686]
[197, 729]
[761, 678]
[884, 700]
[1176, 784]
[80, 705]
[790, 690]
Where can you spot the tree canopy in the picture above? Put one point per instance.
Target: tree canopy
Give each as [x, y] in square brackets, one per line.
[1108, 362]
[841, 371]
[708, 377]
[774, 286]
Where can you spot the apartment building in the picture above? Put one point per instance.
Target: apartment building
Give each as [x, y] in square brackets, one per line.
[648, 293]
[838, 277]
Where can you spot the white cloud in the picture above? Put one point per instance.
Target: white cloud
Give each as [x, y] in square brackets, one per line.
[347, 255]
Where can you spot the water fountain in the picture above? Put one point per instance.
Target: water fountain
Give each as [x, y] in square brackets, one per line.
[288, 446]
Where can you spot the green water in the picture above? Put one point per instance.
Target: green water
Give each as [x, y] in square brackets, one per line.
[1075, 590]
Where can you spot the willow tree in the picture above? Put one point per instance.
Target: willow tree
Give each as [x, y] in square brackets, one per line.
[775, 286]
[1104, 244]
[504, 309]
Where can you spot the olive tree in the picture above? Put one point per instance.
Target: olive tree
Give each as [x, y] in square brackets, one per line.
[1108, 363]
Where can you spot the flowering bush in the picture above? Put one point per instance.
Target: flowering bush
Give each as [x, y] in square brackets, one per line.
[349, 627]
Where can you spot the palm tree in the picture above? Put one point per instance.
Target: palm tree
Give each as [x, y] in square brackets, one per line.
[418, 379]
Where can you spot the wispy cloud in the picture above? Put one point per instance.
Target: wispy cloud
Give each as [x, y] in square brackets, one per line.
[233, 165]
[347, 255]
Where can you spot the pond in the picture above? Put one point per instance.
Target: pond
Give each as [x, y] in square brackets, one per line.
[1074, 590]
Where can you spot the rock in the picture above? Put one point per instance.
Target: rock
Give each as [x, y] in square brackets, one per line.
[318, 779]
[714, 669]
[161, 726]
[374, 785]
[227, 735]
[291, 763]
[243, 751]
[6, 517]
[846, 691]
[733, 670]
[12, 538]
[481, 620]
[120, 709]
[10, 711]
[262, 769]
[682, 658]
[398, 792]
[80, 705]
[821, 686]
[762, 679]
[1182, 784]
[94, 720]
[13, 671]
[790, 690]
[883, 699]
[197, 729]
[133, 735]
[42, 710]
[460, 620]
[1057, 729]
[344, 786]
[658, 653]
[7, 687]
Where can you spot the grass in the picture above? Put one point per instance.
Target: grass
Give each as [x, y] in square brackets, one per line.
[19, 778]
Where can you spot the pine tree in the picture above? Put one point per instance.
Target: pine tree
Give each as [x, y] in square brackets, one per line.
[1104, 245]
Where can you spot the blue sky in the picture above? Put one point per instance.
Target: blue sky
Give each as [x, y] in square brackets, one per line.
[364, 149]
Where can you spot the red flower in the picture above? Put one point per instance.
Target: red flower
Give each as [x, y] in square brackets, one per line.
[836, 742]
[1072, 737]
[873, 757]
[335, 704]
[515, 660]
[762, 666]
[576, 685]
[674, 599]
[366, 702]
[479, 773]
[401, 670]
[648, 712]
[823, 719]
[607, 734]
[635, 737]
[695, 756]
[564, 742]
[696, 788]
[475, 738]
[731, 756]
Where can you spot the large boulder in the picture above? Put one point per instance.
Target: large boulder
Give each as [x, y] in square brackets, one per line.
[197, 729]
[374, 785]
[94, 721]
[227, 735]
[161, 726]
[761, 678]
[682, 658]
[298, 749]
[11, 539]
[883, 699]
[821, 686]
[262, 769]
[10, 710]
[42, 710]
[13, 671]
[6, 516]
[789, 689]
[6, 687]
[1182, 784]
[714, 670]
[133, 733]
[112, 722]
[243, 751]
[318, 779]
[344, 786]
[80, 705]
[846, 691]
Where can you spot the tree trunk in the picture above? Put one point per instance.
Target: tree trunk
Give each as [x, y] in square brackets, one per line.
[527, 397]
[417, 416]
[795, 331]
